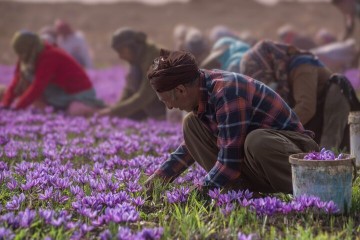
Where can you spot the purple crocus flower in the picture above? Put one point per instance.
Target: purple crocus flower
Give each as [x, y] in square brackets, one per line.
[331, 207]
[3, 166]
[105, 235]
[124, 233]
[178, 195]
[47, 194]
[229, 207]
[214, 193]
[15, 202]
[133, 187]
[72, 225]
[324, 155]
[46, 214]
[77, 191]
[103, 219]
[148, 233]
[12, 184]
[138, 201]
[26, 218]
[242, 236]
[57, 222]
[6, 233]
[84, 228]
[77, 235]
[3, 140]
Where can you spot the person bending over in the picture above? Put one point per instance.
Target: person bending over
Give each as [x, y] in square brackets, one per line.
[238, 129]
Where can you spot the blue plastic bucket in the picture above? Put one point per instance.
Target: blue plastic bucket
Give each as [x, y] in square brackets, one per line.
[326, 179]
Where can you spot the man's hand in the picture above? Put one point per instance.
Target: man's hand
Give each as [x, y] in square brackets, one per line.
[104, 111]
[150, 184]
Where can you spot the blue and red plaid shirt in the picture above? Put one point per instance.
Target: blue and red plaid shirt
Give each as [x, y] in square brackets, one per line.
[231, 106]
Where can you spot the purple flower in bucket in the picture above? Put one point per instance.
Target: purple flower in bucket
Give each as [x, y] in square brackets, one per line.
[324, 155]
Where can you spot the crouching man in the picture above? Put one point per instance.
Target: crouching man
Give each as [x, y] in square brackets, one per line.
[238, 129]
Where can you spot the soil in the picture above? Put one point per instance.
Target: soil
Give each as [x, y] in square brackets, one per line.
[99, 21]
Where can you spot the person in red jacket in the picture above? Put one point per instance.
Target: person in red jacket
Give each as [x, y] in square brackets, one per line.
[46, 74]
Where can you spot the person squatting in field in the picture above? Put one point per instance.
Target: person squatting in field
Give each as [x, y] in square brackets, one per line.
[138, 101]
[238, 129]
[46, 75]
[322, 100]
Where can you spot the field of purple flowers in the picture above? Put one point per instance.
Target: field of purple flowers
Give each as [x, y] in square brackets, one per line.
[82, 178]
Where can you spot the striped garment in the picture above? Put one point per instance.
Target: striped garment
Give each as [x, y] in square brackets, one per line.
[231, 106]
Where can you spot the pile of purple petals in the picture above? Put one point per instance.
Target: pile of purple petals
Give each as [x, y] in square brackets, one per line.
[324, 155]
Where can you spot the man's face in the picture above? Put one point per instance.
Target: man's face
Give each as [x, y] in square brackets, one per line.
[178, 98]
[125, 54]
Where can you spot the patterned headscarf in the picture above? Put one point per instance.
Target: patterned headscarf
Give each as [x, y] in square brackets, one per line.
[268, 62]
[27, 46]
[172, 69]
[231, 57]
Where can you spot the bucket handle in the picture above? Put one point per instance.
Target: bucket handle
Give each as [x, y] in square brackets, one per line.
[353, 161]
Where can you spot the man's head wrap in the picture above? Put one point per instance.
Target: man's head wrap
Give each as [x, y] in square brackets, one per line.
[127, 37]
[171, 69]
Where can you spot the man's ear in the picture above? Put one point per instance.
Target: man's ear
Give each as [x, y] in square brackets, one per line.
[181, 89]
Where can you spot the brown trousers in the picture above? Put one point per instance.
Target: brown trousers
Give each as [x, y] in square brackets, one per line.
[266, 166]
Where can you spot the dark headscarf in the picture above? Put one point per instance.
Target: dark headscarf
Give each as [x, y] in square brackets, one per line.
[171, 69]
[28, 46]
[127, 37]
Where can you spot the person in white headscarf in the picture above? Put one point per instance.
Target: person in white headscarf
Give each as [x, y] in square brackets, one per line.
[191, 39]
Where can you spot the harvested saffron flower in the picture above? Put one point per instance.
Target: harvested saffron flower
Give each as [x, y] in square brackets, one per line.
[323, 155]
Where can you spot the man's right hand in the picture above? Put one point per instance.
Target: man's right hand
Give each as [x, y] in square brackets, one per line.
[150, 183]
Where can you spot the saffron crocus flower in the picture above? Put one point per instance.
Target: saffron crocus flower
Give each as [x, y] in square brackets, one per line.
[6, 233]
[47, 194]
[124, 233]
[105, 235]
[229, 207]
[72, 225]
[214, 193]
[3, 140]
[150, 233]
[178, 195]
[331, 207]
[324, 155]
[3, 166]
[12, 184]
[242, 236]
[77, 191]
[133, 187]
[84, 228]
[138, 201]
[15, 202]
[26, 218]
[46, 214]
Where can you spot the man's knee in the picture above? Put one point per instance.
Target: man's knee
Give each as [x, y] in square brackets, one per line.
[255, 140]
